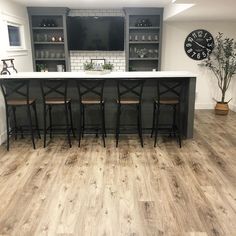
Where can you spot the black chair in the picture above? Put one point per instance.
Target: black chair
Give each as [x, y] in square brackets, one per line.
[91, 94]
[130, 94]
[54, 93]
[16, 94]
[169, 94]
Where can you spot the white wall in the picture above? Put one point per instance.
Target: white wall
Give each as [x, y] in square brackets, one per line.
[23, 59]
[175, 58]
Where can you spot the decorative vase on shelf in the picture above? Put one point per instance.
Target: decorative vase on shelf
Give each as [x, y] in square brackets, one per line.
[142, 52]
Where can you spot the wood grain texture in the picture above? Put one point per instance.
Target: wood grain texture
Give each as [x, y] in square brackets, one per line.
[123, 191]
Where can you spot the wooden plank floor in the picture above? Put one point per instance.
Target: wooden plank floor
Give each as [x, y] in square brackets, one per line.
[123, 191]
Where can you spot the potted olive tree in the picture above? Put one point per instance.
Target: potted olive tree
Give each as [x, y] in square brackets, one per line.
[222, 62]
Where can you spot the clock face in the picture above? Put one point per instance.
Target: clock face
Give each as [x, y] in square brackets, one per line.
[199, 44]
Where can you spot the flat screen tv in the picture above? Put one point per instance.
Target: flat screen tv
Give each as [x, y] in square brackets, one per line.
[96, 33]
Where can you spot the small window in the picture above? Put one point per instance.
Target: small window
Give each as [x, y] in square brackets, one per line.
[14, 35]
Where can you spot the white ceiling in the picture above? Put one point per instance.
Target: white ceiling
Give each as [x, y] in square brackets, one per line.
[179, 10]
[208, 10]
[95, 3]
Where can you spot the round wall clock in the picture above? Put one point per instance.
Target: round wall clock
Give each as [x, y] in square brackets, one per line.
[199, 44]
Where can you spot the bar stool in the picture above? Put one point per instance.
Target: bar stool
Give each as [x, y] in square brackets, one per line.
[16, 94]
[130, 94]
[169, 93]
[91, 94]
[54, 93]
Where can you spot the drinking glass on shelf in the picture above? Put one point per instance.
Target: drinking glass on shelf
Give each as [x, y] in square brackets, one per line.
[155, 52]
[38, 37]
[52, 54]
[37, 54]
[136, 37]
[58, 55]
[130, 51]
[143, 37]
[130, 38]
[135, 52]
[156, 37]
[150, 53]
[149, 37]
[42, 54]
[45, 37]
[46, 54]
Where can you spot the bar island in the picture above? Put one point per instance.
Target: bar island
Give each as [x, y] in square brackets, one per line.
[110, 95]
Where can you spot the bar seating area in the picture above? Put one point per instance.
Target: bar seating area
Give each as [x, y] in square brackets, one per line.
[54, 93]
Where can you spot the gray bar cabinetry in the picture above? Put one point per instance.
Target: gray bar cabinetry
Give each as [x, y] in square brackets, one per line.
[49, 38]
[143, 38]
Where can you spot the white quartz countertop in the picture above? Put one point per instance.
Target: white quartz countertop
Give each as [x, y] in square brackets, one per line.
[55, 75]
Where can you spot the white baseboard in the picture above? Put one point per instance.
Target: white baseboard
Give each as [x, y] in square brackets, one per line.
[199, 106]
[3, 137]
[232, 107]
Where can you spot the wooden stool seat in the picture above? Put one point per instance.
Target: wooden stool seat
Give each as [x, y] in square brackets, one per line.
[127, 101]
[19, 102]
[91, 101]
[167, 101]
[56, 101]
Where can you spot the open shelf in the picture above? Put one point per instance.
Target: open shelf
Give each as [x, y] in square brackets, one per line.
[144, 59]
[50, 43]
[144, 28]
[50, 59]
[47, 28]
[143, 42]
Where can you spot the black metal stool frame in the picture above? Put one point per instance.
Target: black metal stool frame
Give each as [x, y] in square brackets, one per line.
[169, 87]
[20, 87]
[91, 87]
[56, 87]
[133, 87]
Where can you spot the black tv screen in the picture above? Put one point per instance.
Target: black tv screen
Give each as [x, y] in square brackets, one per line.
[96, 33]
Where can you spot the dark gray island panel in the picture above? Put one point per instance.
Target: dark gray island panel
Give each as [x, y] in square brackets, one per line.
[110, 96]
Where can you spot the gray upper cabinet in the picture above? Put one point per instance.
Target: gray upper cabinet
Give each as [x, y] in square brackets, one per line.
[143, 38]
[49, 38]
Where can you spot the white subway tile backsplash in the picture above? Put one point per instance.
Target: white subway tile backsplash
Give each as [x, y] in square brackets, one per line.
[78, 58]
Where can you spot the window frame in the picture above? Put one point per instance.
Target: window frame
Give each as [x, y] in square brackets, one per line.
[21, 32]
[12, 20]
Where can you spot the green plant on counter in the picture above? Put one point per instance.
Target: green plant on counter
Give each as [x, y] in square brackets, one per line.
[108, 66]
[40, 67]
[88, 66]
